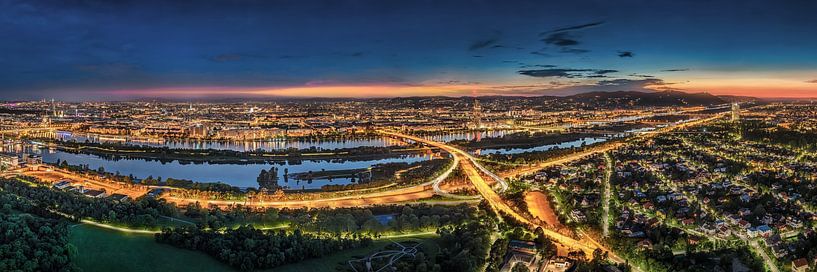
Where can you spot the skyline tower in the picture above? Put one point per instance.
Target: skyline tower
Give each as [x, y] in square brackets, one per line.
[477, 114]
[735, 112]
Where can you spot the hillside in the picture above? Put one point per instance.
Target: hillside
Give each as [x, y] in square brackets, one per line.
[633, 98]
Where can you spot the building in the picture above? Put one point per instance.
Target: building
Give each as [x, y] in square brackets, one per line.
[520, 252]
[9, 161]
[477, 114]
[95, 193]
[199, 131]
[799, 265]
[735, 112]
[119, 197]
[62, 184]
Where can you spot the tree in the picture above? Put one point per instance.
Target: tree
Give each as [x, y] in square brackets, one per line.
[520, 267]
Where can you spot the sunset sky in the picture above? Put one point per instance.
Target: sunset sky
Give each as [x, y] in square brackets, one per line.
[93, 50]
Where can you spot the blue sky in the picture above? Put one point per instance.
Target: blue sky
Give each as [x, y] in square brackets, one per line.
[101, 50]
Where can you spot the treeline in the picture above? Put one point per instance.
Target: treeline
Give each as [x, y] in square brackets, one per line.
[759, 131]
[189, 184]
[463, 247]
[29, 242]
[428, 170]
[139, 213]
[248, 249]
[395, 218]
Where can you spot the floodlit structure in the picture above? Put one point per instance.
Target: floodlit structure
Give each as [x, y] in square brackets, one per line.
[735, 112]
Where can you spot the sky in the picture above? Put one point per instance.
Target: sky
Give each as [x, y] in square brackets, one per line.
[117, 50]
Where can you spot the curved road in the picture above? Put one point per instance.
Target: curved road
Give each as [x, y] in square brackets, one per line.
[473, 172]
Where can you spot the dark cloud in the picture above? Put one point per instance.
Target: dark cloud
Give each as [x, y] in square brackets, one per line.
[676, 70]
[540, 53]
[812, 81]
[628, 82]
[565, 39]
[483, 44]
[458, 82]
[571, 28]
[528, 66]
[477, 56]
[640, 75]
[561, 39]
[625, 54]
[567, 73]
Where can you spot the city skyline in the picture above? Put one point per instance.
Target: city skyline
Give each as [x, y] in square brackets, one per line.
[261, 49]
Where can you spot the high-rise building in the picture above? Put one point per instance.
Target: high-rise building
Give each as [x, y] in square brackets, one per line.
[477, 114]
[735, 112]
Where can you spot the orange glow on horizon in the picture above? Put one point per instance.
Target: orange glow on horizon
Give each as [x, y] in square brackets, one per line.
[355, 91]
[757, 87]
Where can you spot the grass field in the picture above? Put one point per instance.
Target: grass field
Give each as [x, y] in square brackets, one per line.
[101, 249]
[107, 250]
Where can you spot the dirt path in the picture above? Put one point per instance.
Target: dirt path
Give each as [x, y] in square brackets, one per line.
[539, 207]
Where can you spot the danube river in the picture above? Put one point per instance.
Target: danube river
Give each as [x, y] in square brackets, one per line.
[239, 175]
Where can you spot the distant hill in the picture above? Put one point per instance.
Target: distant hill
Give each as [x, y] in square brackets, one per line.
[633, 98]
[735, 98]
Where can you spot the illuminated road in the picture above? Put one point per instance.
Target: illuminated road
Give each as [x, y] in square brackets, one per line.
[436, 183]
[51, 174]
[605, 216]
[473, 174]
[393, 196]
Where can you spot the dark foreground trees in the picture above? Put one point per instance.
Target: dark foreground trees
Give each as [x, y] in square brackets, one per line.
[139, 213]
[29, 242]
[247, 248]
[463, 248]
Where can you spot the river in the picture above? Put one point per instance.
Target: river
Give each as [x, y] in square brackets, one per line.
[239, 175]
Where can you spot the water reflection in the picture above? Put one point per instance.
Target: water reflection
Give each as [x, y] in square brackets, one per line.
[240, 175]
[241, 146]
[567, 144]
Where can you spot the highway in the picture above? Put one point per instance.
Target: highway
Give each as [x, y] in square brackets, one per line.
[472, 171]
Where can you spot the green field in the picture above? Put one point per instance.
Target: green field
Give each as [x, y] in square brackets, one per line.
[107, 250]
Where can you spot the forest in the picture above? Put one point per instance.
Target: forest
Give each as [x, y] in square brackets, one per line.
[30, 242]
[143, 213]
[248, 248]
